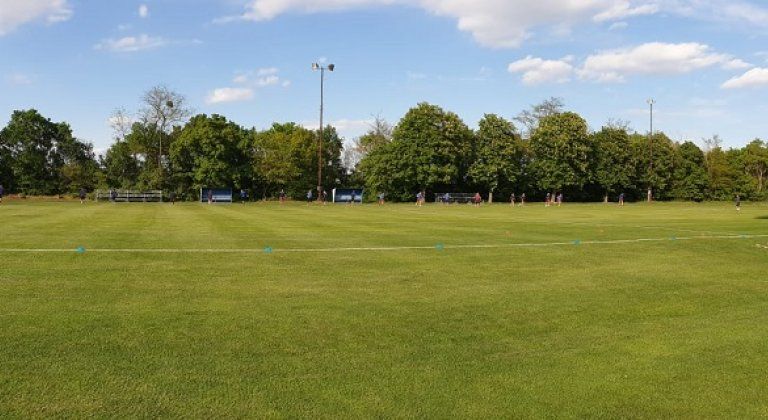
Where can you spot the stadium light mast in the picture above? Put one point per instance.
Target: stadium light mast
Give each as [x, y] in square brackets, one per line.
[650, 102]
[316, 67]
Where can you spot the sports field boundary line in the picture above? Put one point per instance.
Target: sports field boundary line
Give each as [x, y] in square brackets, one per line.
[374, 249]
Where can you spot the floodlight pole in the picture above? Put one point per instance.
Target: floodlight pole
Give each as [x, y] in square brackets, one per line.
[330, 67]
[651, 102]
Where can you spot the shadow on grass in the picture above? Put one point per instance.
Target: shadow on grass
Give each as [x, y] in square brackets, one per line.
[762, 217]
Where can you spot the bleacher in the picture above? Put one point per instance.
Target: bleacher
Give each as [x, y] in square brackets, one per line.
[130, 196]
[218, 195]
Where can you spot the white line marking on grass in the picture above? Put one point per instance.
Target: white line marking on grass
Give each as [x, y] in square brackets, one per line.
[375, 249]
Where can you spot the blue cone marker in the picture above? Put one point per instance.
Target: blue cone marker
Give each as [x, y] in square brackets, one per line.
[440, 247]
[577, 242]
[80, 250]
[268, 250]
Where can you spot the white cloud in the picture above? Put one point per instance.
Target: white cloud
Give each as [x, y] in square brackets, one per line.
[267, 71]
[654, 58]
[508, 23]
[14, 13]
[756, 77]
[616, 26]
[624, 9]
[18, 79]
[493, 23]
[226, 95]
[536, 70]
[347, 128]
[132, 43]
[143, 11]
[263, 77]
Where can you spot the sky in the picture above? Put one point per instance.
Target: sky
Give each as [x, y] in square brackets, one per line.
[704, 62]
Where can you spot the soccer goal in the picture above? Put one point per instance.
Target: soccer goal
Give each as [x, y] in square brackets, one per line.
[216, 195]
[454, 198]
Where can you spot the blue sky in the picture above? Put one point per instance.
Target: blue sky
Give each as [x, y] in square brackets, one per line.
[704, 62]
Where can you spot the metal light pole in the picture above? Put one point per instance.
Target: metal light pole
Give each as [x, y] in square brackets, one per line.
[315, 67]
[651, 102]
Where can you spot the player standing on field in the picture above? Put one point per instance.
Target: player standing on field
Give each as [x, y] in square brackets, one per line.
[2, 191]
[738, 202]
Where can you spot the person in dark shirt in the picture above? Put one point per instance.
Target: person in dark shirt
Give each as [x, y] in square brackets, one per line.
[82, 195]
[2, 191]
[738, 202]
[243, 196]
[172, 198]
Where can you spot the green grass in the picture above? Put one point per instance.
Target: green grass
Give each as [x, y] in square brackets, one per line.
[672, 328]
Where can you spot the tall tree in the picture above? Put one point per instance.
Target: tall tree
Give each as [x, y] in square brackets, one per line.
[280, 154]
[44, 157]
[121, 168]
[208, 153]
[561, 152]
[654, 160]
[690, 174]
[613, 167]
[430, 149]
[755, 158]
[499, 155]
[530, 118]
[378, 134]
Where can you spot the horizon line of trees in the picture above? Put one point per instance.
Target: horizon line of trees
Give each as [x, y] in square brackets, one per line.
[165, 146]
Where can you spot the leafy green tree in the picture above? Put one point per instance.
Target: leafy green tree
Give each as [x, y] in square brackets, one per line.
[278, 155]
[561, 152]
[654, 162]
[6, 169]
[690, 175]
[43, 157]
[208, 153]
[755, 158]
[121, 168]
[723, 174]
[499, 154]
[430, 148]
[613, 169]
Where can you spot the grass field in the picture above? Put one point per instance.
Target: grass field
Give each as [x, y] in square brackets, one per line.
[581, 311]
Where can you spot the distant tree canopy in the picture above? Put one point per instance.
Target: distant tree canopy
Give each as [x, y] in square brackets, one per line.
[430, 149]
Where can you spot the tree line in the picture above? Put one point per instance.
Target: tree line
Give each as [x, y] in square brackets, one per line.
[164, 146]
